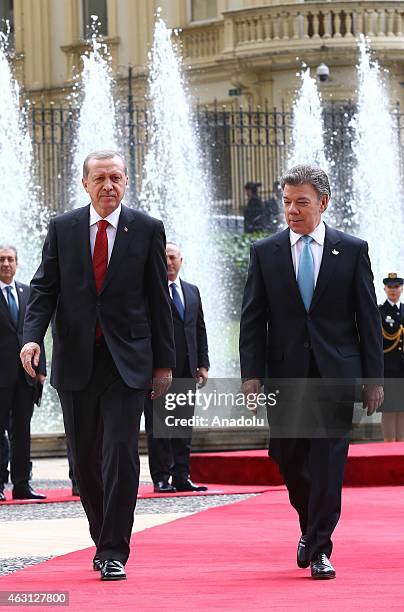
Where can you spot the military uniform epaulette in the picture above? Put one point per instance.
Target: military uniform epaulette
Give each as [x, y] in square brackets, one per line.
[392, 329]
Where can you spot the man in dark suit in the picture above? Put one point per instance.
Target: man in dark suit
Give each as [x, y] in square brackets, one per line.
[103, 276]
[310, 313]
[169, 456]
[17, 389]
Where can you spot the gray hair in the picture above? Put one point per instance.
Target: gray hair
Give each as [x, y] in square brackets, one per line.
[304, 173]
[175, 245]
[103, 154]
[4, 247]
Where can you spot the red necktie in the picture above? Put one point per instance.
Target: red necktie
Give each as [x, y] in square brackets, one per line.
[100, 262]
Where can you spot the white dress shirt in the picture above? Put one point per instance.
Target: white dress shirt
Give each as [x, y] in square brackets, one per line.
[112, 219]
[394, 303]
[177, 283]
[14, 291]
[317, 248]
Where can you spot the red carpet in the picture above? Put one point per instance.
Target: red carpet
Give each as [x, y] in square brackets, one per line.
[242, 557]
[145, 492]
[373, 464]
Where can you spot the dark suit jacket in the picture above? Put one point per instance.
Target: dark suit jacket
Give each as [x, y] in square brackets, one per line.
[11, 340]
[191, 343]
[133, 306]
[393, 360]
[342, 327]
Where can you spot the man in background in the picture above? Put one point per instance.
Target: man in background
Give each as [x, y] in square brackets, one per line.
[392, 313]
[169, 456]
[18, 391]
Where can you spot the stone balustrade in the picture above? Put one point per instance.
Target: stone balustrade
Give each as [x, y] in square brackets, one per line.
[293, 25]
[202, 43]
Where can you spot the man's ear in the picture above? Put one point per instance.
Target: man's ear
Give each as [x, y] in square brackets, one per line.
[324, 203]
[84, 182]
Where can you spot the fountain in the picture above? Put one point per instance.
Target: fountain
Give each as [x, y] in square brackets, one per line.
[308, 146]
[308, 128]
[378, 202]
[97, 126]
[23, 223]
[176, 189]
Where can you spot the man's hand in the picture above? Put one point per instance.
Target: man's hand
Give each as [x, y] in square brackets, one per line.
[373, 396]
[40, 378]
[202, 377]
[251, 389]
[162, 379]
[29, 356]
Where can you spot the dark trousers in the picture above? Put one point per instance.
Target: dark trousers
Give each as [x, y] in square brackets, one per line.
[169, 453]
[4, 457]
[159, 449]
[71, 465]
[16, 409]
[313, 471]
[312, 464]
[102, 428]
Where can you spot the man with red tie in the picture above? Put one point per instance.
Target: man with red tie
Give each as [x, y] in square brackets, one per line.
[103, 278]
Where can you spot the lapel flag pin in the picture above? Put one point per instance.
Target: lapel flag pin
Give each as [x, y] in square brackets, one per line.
[20, 289]
[125, 229]
[335, 252]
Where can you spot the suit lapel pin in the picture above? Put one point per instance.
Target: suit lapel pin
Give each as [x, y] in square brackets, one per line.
[20, 289]
[335, 252]
[125, 229]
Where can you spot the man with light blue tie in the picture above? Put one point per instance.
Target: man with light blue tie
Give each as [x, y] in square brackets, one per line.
[310, 324]
[17, 390]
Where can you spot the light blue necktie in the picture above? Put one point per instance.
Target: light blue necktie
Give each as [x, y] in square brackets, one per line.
[305, 274]
[12, 306]
[177, 300]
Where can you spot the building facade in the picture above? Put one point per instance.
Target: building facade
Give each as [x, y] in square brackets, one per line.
[249, 50]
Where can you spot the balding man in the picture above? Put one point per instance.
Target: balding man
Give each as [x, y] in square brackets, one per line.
[169, 456]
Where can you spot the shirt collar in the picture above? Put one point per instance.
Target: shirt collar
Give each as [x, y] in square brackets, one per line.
[176, 282]
[394, 303]
[112, 218]
[3, 285]
[318, 234]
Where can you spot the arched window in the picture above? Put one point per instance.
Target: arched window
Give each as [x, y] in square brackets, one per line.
[95, 7]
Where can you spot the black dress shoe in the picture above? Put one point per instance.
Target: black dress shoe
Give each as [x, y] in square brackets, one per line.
[188, 485]
[2, 496]
[302, 560]
[97, 564]
[113, 570]
[26, 492]
[321, 568]
[162, 486]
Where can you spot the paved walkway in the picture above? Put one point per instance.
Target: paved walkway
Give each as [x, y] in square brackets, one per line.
[32, 533]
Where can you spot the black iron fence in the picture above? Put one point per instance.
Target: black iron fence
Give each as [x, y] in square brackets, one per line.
[239, 145]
